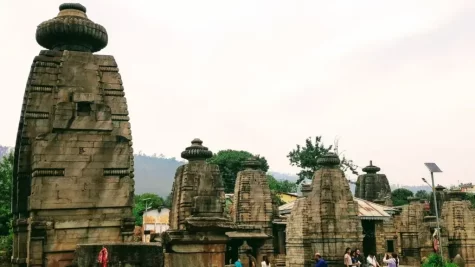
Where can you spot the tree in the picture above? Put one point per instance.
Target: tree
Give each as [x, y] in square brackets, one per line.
[6, 174]
[167, 203]
[152, 201]
[422, 194]
[280, 186]
[400, 195]
[230, 163]
[305, 157]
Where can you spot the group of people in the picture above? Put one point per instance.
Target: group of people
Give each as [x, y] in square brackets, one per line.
[354, 258]
[253, 262]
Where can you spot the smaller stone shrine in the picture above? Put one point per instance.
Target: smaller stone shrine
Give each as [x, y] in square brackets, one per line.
[326, 220]
[253, 207]
[373, 186]
[197, 218]
[459, 218]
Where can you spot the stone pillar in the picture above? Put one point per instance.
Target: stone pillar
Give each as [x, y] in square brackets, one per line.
[73, 171]
[197, 218]
[372, 186]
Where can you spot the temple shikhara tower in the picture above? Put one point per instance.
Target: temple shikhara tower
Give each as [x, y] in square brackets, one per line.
[326, 220]
[253, 207]
[373, 186]
[73, 172]
[198, 222]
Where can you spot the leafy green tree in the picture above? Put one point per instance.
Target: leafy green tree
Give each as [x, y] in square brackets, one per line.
[423, 194]
[152, 201]
[6, 174]
[400, 195]
[230, 163]
[167, 203]
[281, 186]
[305, 157]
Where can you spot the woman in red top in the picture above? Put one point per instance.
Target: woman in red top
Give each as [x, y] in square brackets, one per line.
[103, 257]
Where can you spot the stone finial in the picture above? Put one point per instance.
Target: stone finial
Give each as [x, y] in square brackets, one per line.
[252, 163]
[306, 189]
[330, 159]
[370, 168]
[196, 151]
[71, 30]
[439, 188]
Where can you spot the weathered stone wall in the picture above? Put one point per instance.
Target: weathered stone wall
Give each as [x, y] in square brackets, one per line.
[459, 218]
[73, 177]
[385, 230]
[125, 254]
[331, 221]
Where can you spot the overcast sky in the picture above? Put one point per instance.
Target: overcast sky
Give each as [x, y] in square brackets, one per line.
[394, 80]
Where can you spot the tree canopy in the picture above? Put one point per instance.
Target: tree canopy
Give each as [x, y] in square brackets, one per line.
[230, 163]
[281, 186]
[423, 194]
[400, 195]
[153, 201]
[6, 174]
[305, 157]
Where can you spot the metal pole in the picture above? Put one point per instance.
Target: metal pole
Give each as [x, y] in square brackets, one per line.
[437, 216]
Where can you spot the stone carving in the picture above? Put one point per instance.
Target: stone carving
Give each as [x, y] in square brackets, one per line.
[67, 139]
[197, 218]
[253, 205]
[373, 186]
[326, 220]
[459, 220]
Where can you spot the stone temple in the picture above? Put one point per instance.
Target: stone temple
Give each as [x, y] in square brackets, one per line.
[326, 220]
[73, 171]
[198, 222]
[373, 186]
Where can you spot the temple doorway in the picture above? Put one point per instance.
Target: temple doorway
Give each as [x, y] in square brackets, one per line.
[369, 239]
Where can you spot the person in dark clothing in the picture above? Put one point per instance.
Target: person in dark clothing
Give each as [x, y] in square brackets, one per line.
[320, 262]
[360, 257]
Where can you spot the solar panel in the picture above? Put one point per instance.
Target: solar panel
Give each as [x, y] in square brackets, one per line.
[432, 167]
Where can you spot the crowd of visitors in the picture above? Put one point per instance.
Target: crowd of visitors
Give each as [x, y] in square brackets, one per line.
[354, 258]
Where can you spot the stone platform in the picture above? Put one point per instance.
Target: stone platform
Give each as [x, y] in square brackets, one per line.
[120, 254]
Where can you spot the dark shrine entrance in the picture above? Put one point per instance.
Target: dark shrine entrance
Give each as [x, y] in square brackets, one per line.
[369, 239]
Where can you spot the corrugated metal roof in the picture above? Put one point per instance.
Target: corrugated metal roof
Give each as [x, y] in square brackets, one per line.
[366, 210]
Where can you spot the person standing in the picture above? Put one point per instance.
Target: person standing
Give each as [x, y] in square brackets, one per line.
[371, 260]
[360, 257]
[320, 262]
[252, 260]
[265, 262]
[103, 257]
[238, 263]
[393, 261]
[347, 258]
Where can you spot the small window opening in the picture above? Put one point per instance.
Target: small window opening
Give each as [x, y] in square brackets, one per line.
[83, 109]
[390, 246]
